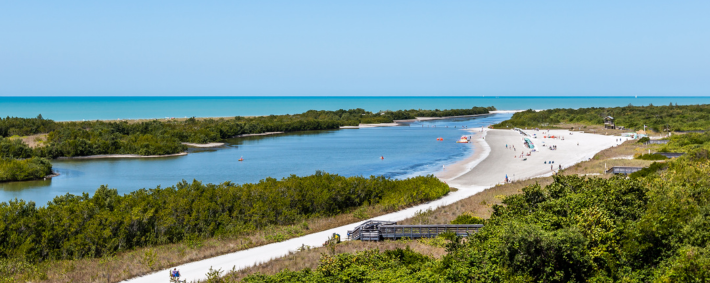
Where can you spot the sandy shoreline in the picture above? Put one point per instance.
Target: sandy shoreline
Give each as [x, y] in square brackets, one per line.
[254, 135]
[204, 145]
[485, 168]
[480, 152]
[496, 160]
[108, 156]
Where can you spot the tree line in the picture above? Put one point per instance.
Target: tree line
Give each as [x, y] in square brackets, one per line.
[72, 226]
[156, 137]
[650, 228]
[657, 118]
[166, 137]
[18, 164]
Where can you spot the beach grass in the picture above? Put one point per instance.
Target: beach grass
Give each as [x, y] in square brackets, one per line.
[309, 257]
[479, 205]
[146, 260]
[622, 155]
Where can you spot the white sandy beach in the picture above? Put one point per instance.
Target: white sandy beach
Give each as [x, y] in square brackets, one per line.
[204, 145]
[487, 167]
[497, 161]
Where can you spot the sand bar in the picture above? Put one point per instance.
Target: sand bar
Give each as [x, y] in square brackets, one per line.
[203, 145]
[254, 135]
[106, 156]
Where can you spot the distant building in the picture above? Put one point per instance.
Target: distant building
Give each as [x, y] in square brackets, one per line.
[609, 122]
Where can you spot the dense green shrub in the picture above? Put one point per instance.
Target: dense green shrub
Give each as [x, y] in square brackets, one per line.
[467, 218]
[653, 156]
[656, 118]
[165, 137]
[82, 226]
[643, 140]
[25, 169]
[401, 265]
[647, 229]
[14, 148]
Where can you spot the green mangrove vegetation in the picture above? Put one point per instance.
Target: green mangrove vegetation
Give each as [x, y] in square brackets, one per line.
[24, 169]
[657, 118]
[157, 137]
[687, 142]
[648, 229]
[73, 227]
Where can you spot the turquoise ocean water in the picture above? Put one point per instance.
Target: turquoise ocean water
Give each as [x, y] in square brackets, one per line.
[106, 108]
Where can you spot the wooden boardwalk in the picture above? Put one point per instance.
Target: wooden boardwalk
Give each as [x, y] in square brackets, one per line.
[375, 230]
[623, 169]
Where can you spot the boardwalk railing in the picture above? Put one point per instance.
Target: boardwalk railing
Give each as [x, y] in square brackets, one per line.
[380, 230]
[623, 169]
[657, 142]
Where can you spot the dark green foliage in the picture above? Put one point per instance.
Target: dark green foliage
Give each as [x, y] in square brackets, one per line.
[468, 219]
[25, 169]
[657, 118]
[165, 137]
[407, 256]
[14, 148]
[643, 140]
[687, 142]
[13, 126]
[82, 226]
[367, 266]
[653, 156]
[653, 168]
[650, 229]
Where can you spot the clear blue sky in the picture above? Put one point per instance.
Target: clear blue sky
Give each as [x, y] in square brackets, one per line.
[251, 48]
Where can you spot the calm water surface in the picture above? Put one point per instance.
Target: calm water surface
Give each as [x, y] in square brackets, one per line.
[408, 151]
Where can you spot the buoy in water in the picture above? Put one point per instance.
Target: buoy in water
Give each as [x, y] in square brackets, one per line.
[382, 157]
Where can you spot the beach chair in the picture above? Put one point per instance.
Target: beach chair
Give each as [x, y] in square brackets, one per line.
[175, 279]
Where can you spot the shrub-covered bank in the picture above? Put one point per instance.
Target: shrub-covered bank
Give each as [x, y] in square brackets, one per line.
[105, 223]
[25, 169]
[656, 118]
[647, 229]
[165, 137]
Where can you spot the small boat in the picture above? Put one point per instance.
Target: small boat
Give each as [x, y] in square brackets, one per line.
[463, 139]
[241, 159]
